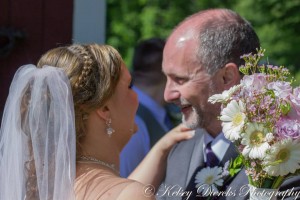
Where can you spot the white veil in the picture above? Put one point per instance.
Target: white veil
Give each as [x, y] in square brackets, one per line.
[37, 137]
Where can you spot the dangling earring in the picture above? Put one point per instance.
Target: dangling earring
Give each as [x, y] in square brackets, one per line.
[109, 129]
[85, 116]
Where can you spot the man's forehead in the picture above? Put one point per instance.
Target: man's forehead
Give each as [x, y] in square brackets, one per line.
[181, 41]
[180, 50]
[184, 37]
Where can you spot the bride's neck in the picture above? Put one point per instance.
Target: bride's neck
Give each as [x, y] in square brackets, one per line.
[98, 144]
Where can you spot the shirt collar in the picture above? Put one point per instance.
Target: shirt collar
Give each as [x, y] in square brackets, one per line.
[219, 144]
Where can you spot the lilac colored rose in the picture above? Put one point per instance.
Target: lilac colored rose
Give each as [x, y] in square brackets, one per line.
[281, 89]
[295, 103]
[254, 82]
[288, 128]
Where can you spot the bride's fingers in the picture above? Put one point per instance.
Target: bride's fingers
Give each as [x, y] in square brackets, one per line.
[181, 127]
[183, 135]
[184, 128]
[175, 136]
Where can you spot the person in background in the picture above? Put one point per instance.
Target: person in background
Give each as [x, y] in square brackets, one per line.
[152, 117]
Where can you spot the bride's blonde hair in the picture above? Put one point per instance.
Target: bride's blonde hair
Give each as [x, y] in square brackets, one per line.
[93, 70]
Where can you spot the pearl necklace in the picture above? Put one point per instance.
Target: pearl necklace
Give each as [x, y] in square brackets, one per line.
[88, 159]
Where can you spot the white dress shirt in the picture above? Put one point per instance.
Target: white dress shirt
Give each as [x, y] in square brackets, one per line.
[219, 145]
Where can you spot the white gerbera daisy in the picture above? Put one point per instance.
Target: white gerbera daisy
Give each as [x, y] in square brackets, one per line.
[233, 119]
[208, 179]
[225, 96]
[283, 158]
[255, 141]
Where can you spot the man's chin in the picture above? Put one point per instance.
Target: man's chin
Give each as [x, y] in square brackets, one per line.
[189, 123]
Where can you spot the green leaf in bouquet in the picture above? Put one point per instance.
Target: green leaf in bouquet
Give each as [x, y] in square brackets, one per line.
[236, 165]
[285, 108]
[233, 172]
[238, 161]
[271, 93]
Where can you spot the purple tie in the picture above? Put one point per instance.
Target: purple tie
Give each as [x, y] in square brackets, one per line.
[211, 161]
[211, 158]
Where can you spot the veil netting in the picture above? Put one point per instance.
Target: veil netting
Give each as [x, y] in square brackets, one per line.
[37, 137]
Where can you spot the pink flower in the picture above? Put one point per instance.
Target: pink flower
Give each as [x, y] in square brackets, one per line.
[288, 128]
[253, 164]
[254, 81]
[281, 89]
[295, 103]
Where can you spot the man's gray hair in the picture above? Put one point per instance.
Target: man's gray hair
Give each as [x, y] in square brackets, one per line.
[223, 38]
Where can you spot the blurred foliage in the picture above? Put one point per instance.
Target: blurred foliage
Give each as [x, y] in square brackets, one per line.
[276, 22]
[128, 22]
[278, 25]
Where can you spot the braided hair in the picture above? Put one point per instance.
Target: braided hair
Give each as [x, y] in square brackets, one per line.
[93, 70]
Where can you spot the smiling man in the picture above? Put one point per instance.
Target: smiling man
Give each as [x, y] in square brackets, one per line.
[202, 58]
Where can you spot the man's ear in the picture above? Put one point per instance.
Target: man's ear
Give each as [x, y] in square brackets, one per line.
[104, 112]
[231, 75]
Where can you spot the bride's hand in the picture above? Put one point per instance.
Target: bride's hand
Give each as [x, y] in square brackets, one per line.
[153, 167]
[174, 136]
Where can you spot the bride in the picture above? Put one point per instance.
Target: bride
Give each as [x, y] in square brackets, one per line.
[64, 125]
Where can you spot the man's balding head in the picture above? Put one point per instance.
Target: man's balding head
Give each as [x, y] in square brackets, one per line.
[220, 35]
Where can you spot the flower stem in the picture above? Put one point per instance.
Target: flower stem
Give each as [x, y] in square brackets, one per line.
[250, 181]
[278, 181]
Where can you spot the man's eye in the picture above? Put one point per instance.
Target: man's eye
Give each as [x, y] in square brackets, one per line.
[180, 80]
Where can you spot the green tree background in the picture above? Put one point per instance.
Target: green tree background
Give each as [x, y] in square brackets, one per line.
[276, 22]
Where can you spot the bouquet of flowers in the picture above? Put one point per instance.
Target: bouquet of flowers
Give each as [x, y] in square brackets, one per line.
[261, 116]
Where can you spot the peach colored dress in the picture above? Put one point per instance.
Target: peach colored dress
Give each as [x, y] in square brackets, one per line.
[99, 184]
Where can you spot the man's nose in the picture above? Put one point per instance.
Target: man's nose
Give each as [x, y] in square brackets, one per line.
[171, 92]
